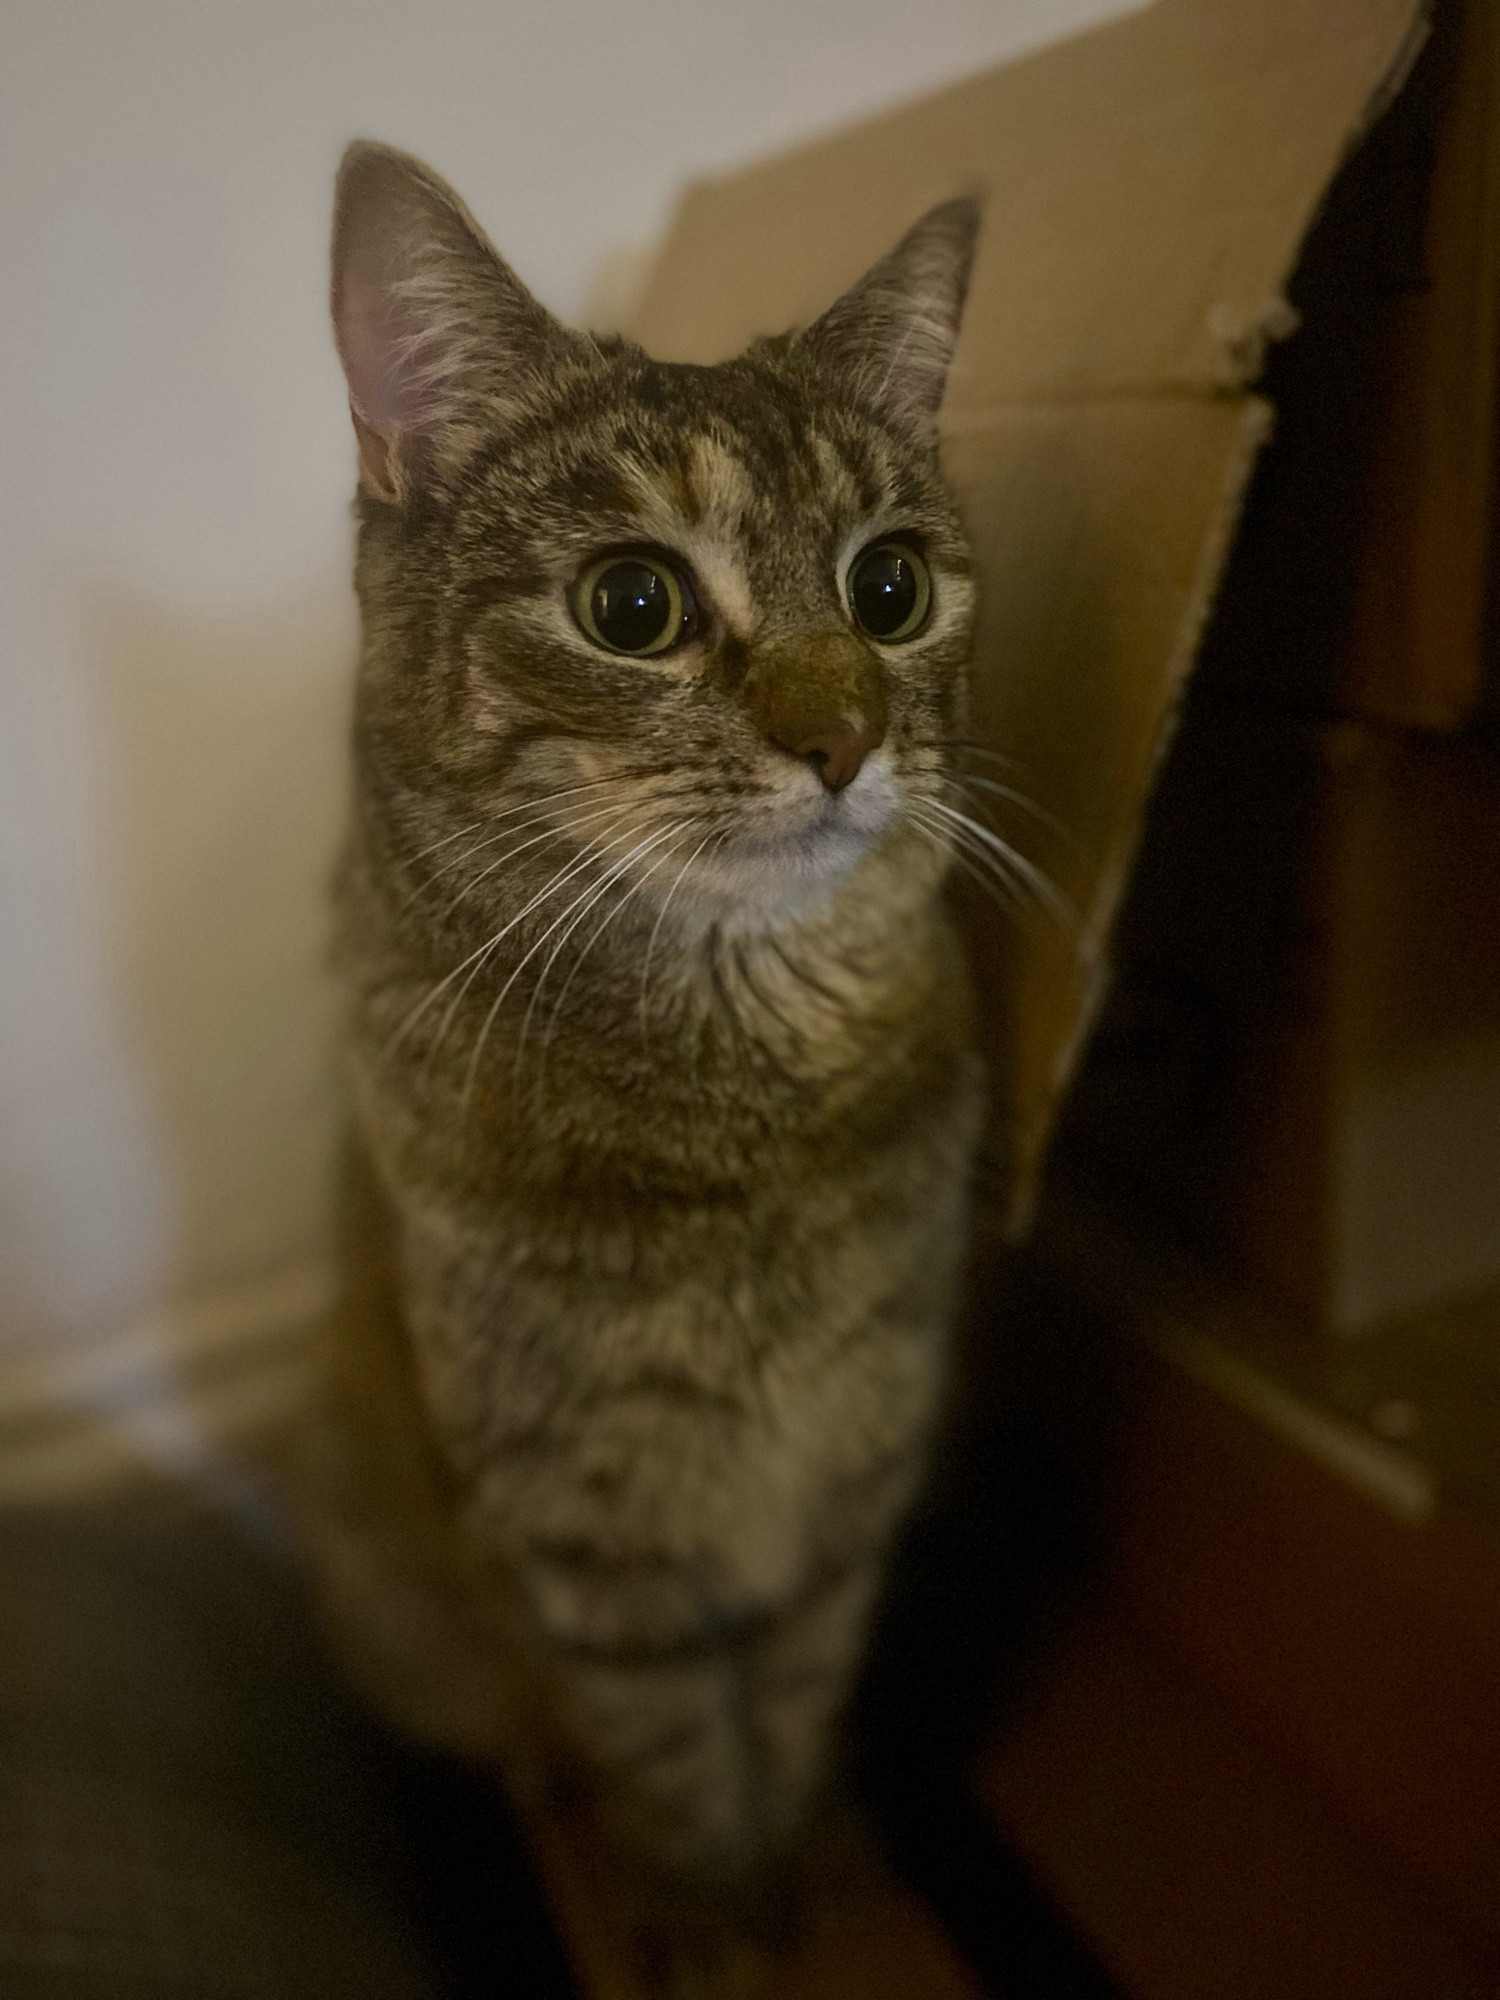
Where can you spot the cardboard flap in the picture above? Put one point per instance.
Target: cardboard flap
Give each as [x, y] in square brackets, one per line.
[1104, 528]
[1148, 186]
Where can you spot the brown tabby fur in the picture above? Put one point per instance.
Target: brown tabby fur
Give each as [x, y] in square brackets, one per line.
[660, 1053]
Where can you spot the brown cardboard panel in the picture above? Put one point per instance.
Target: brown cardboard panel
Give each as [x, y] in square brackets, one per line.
[1100, 531]
[1147, 186]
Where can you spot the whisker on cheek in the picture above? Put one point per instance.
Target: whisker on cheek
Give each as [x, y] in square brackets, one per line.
[490, 819]
[595, 854]
[998, 888]
[475, 960]
[555, 830]
[680, 827]
[661, 917]
[1041, 885]
[565, 875]
[588, 901]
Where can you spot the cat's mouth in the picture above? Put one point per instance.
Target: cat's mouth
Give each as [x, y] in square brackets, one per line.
[794, 848]
[804, 815]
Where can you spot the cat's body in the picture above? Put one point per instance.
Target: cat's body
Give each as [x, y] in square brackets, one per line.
[659, 1033]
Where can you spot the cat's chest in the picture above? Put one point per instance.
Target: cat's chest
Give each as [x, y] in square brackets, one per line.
[528, 1328]
[725, 1419]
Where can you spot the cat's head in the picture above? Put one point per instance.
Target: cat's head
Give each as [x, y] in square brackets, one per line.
[698, 630]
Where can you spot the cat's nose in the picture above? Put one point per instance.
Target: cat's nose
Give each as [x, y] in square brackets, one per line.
[821, 697]
[836, 748]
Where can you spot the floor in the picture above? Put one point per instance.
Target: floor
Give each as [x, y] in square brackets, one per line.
[192, 1805]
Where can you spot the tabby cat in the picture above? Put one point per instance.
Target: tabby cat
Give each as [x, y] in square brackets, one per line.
[659, 1034]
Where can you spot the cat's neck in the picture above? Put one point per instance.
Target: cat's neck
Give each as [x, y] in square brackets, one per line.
[671, 1055]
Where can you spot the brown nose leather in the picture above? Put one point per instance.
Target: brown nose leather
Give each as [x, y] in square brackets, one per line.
[836, 749]
[822, 698]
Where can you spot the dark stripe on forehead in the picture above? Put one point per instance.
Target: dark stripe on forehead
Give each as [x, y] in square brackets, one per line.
[595, 482]
[763, 444]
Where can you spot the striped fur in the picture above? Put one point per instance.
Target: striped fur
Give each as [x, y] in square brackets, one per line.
[661, 1067]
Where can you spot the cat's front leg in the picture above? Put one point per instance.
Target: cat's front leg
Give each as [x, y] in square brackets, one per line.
[705, 1767]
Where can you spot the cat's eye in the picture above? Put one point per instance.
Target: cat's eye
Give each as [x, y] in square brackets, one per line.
[890, 591]
[634, 604]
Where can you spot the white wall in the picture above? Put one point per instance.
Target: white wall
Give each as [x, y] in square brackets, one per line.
[175, 624]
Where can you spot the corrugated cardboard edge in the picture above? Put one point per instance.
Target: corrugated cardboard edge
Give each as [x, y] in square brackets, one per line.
[1394, 81]
[1258, 419]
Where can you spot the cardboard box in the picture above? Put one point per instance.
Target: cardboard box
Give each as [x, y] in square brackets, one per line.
[1307, 1017]
[1147, 187]
[1360, 581]
[1307, 1021]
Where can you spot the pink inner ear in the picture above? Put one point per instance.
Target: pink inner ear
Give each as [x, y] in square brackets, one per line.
[377, 458]
[371, 342]
[426, 316]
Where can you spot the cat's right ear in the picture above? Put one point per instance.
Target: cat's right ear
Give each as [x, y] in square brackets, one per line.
[435, 331]
[892, 336]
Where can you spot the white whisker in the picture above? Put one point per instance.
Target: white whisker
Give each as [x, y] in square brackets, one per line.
[617, 871]
[515, 973]
[1013, 863]
[661, 917]
[569, 872]
[433, 992]
[582, 905]
[411, 860]
[553, 831]
[680, 826]
[1000, 889]
[489, 819]
[1015, 798]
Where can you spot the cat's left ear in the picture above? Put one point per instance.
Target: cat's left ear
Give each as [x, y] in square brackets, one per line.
[894, 332]
[434, 329]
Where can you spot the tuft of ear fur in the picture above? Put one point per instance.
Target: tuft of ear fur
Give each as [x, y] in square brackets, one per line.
[893, 333]
[433, 327]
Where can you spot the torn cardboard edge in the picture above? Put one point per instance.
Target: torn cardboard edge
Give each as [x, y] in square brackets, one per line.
[1146, 187]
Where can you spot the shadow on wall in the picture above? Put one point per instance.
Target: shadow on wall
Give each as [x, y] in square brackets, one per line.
[219, 743]
[224, 748]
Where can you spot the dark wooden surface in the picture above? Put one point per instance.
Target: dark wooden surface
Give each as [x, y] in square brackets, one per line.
[1267, 1762]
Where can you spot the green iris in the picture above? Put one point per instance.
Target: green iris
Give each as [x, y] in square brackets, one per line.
[631, 604]
[890, 592]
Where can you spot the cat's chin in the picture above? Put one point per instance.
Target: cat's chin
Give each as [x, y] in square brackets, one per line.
[783, 867]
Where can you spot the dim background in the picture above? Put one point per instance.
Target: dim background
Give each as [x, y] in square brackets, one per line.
[176, 624]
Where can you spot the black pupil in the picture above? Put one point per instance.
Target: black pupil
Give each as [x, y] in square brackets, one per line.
[631, 606]
[884, 591]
